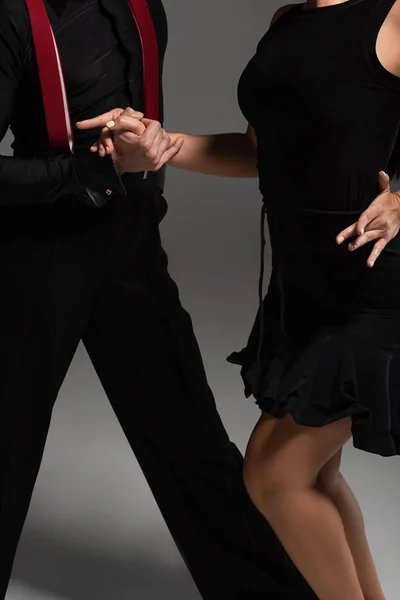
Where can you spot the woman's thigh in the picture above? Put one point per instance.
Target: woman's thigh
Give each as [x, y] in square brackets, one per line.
[284, 455]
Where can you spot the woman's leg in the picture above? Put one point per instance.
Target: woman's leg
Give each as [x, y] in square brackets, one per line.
[280, 473]
[333, 484]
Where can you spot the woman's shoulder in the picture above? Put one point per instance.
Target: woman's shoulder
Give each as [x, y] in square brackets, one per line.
[276, 17]
[281, 11]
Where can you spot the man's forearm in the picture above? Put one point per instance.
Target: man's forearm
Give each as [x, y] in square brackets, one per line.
[224, 155]
[46, 180]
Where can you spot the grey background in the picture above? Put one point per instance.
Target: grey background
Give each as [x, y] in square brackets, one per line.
[93, 529]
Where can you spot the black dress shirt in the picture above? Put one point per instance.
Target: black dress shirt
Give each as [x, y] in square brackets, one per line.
[101, 57]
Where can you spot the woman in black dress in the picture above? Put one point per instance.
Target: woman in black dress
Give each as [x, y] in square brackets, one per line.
[322, 95]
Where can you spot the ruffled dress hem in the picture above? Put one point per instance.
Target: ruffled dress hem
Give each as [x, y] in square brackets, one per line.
[338, 375]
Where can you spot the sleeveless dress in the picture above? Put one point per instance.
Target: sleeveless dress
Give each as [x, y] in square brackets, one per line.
[326, 341]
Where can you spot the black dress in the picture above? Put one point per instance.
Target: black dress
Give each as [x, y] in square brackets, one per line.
[326, 341]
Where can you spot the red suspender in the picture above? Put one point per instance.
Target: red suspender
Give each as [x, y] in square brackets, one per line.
[150, 57]
[51, 78]
[55, 100]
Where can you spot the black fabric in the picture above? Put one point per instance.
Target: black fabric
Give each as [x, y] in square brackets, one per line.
[102, 276]
[326, 341]
[325, 111]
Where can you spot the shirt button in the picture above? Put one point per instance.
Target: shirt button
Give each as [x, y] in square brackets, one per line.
[108, 192]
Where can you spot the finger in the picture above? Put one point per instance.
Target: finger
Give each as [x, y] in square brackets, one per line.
[94, 148]
[152, 130]
[171, 152]
[124, 124]
[162, 143]
[164, 146]
[376, 252]
[101, 120]
[107, 140]
[347, 233]
[367, 237]
[384, 181]
[368, 216]
[375, 208]
[131, 112]
[150, 122]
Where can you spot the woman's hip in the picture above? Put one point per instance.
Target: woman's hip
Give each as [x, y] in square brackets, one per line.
[317, 281]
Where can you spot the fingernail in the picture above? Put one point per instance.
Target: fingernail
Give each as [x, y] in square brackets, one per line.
[371, 264]
[108, 150]
[340, 240]
[110, 124]
[361, 231]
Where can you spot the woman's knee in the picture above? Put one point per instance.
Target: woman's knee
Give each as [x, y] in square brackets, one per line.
[263, 473]
[271, 471]
[292, 459]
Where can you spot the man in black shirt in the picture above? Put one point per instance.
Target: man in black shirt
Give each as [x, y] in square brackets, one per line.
[71, 272]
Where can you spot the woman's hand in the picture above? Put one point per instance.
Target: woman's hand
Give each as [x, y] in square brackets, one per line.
[380, 222]
[136, 144]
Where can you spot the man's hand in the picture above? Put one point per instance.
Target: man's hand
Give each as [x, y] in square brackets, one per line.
[380, 222]
[105, 145]
[136, 144]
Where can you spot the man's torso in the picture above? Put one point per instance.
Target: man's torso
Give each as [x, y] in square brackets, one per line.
[101, 57]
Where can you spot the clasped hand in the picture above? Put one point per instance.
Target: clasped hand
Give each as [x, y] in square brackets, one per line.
[136, 144]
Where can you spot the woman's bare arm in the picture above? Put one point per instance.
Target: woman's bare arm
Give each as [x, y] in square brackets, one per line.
[223, 154]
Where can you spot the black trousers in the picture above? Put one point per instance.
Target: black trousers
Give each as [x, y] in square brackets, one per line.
[70, 273]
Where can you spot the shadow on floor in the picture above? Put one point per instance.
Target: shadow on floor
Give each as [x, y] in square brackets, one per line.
[56, 568]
